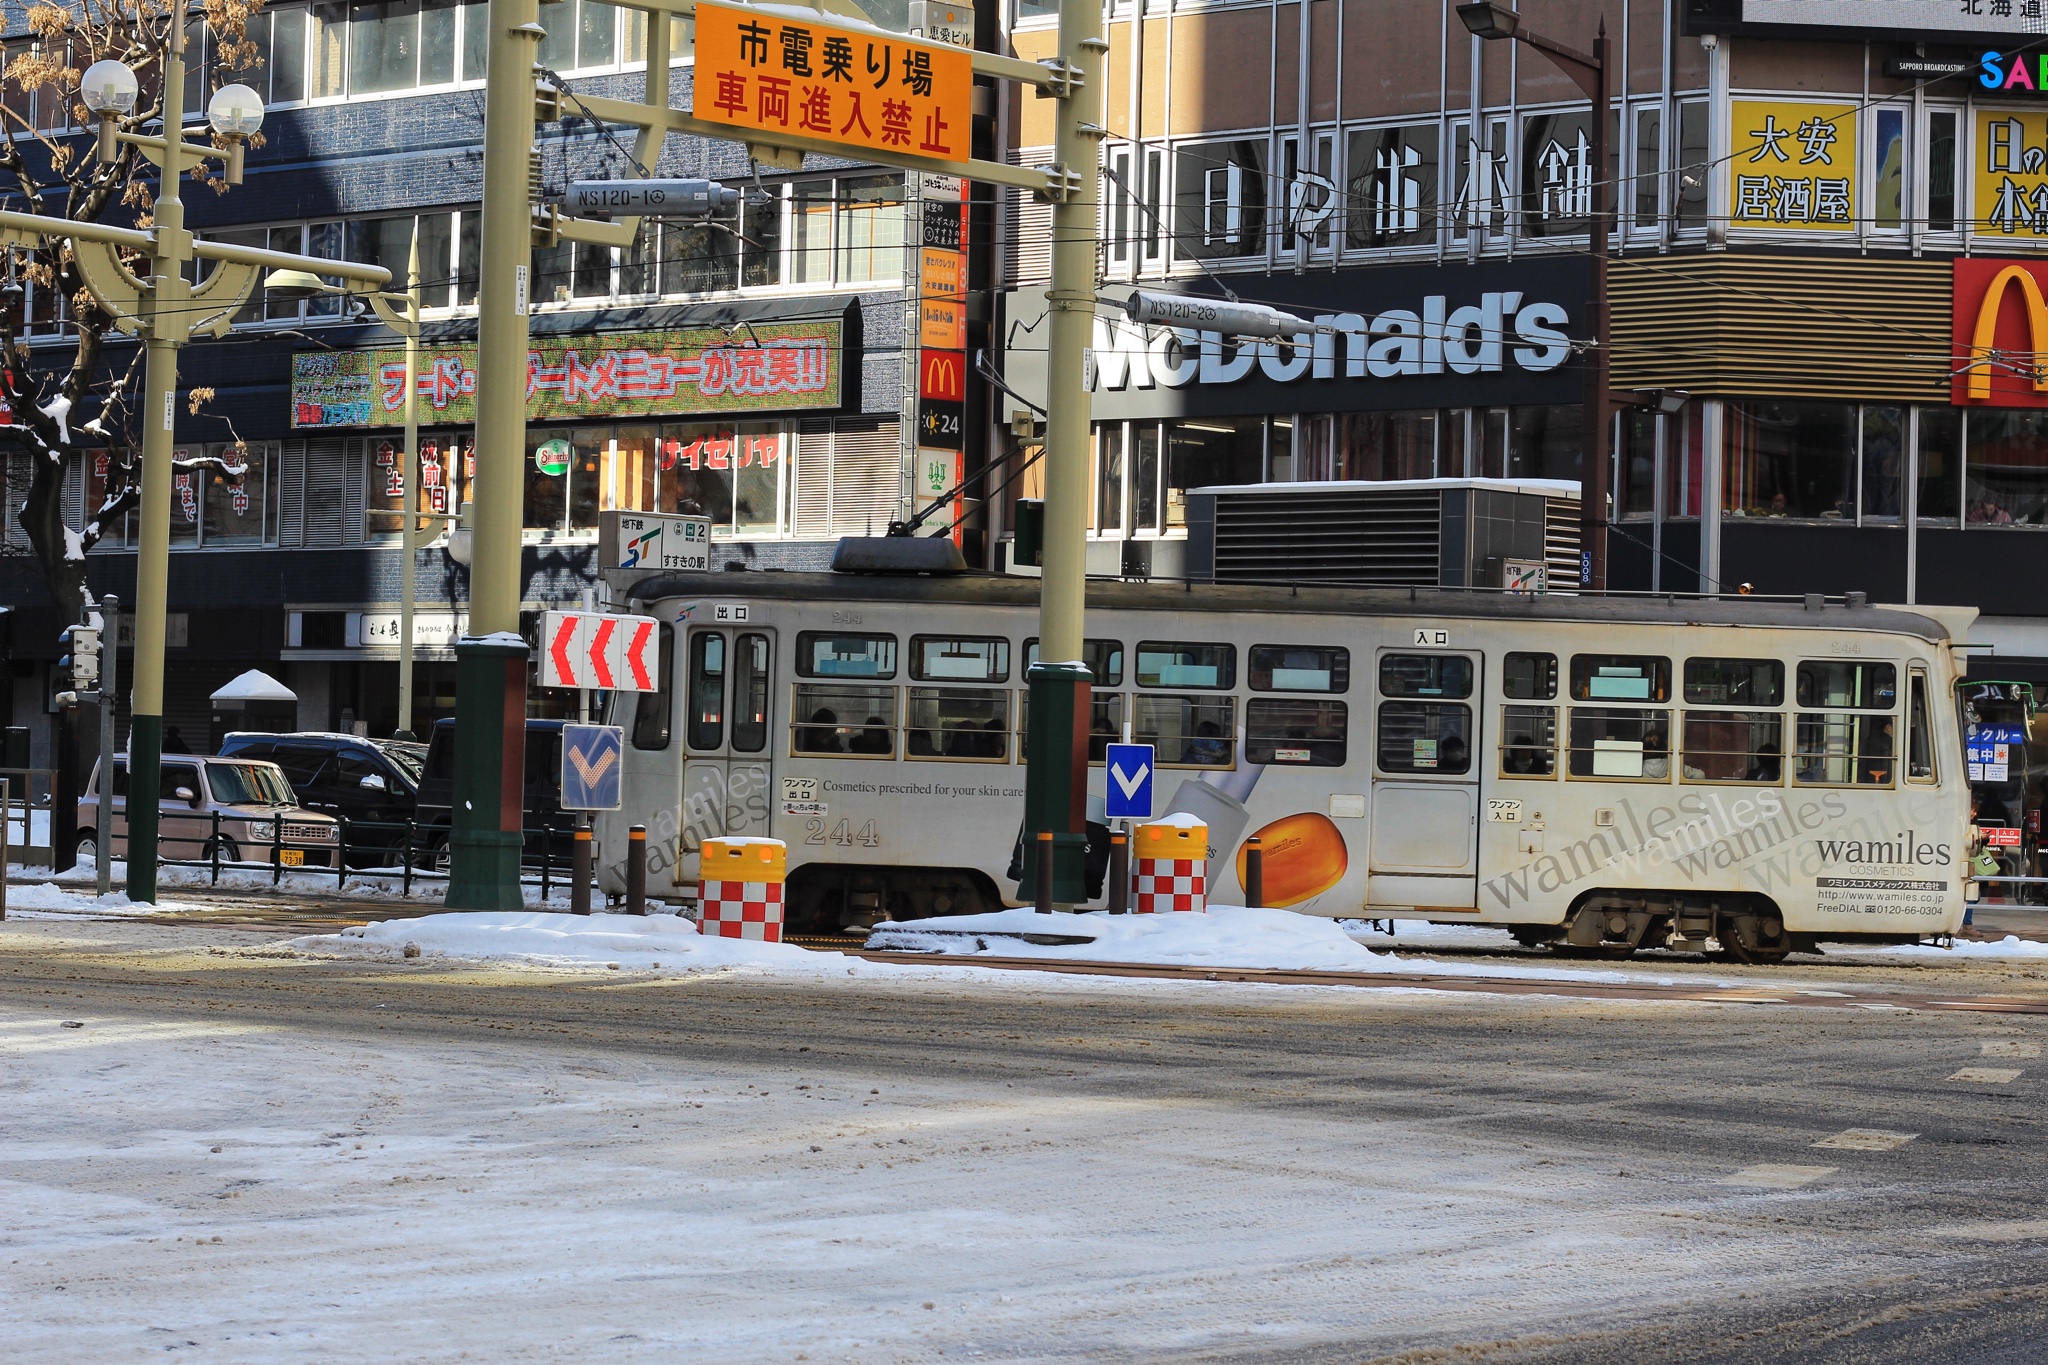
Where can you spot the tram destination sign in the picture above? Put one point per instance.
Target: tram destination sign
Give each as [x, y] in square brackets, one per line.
[767, 71]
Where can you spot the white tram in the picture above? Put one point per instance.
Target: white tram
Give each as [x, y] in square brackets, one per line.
[1606, 773]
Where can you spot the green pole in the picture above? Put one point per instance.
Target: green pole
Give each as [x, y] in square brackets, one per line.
[490, 669]
[1056, 772]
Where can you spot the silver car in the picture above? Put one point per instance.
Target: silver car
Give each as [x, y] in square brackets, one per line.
[244, 804]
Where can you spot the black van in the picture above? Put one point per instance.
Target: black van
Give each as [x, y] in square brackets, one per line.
[543, 800]
[372, 784]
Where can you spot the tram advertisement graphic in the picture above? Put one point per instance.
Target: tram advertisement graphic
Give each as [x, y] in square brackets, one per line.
[1777, 844]
[624, 374]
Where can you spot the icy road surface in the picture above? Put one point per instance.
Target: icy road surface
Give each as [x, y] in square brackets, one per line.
[241, 1155]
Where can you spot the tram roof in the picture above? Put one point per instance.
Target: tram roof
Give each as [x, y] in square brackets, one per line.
[1304, 599]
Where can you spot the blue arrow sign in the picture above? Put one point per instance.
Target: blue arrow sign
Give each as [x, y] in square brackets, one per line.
[591, 758]
[1130, 781]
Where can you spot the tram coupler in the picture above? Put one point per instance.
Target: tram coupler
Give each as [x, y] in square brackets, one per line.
[1119, 873]
[579, 869]
[636, 870]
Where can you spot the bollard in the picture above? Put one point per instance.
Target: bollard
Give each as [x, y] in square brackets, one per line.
[1119, 874]
[1172, 862]
[1254, 873]
[740, 888]
[636, 870]
[579, 891]
[1169, 863]
[1042, 877]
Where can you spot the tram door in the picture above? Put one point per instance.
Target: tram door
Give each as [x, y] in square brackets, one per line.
[1425, 783]
[727, 734]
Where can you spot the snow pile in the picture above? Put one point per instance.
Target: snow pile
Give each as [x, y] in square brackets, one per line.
[1226, 936]
[2009, 946]
[44, 899]
[635, 941]
[367, 883]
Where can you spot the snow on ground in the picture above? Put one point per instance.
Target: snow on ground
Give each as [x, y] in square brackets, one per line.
[2009, 946]
[46, 901]
[1224, 936]
[360, 884]
[641, 942]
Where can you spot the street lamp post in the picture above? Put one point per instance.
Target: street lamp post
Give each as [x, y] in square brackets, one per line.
[167, 311]
[1492, 20]
[300, 284]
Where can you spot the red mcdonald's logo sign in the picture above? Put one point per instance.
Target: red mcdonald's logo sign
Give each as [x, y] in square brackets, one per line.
[942, 375]
[1999, 355]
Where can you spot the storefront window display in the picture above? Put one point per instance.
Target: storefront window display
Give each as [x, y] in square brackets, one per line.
[1791, 460]
[737, 476]
[2005, 478]
[1938, 458]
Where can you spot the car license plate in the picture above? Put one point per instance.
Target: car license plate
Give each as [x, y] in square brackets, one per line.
[292, 857]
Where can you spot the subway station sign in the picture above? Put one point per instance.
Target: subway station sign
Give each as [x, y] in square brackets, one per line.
[775, 368]
[769, 71]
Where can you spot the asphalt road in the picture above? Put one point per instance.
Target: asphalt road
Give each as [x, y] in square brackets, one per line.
[1691, 1127]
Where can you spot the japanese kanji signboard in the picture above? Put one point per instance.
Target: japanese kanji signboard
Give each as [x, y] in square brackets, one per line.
[767, 71]
[1792, 165]
[776, 367]
[2010, 175]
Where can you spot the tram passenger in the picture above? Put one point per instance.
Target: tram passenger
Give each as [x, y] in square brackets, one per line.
[1765, 765]
[1656, 758]
[821, 736]
[920, 744]
[1453, 755]
[873, 738]
[997, 743]
[1877, 754]
[1208, 747]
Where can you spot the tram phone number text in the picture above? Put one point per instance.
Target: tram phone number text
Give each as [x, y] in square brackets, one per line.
[652, 198]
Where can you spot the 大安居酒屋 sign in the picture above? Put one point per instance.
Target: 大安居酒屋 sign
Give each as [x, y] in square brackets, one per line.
[780, 366]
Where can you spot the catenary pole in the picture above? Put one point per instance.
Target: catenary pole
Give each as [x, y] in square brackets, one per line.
[408, 586]
[491, 659]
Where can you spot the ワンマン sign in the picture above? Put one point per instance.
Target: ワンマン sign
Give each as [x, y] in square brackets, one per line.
[2000, 347]
[779, 366]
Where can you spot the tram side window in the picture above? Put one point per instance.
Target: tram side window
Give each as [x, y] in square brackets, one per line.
[1529, 677]
[1620, 677]
[1528, 739]
[1299, 731]
[1732, 746]
[957, 722]
[1192, 732]
[832, 654]
[651, 710]
[937, 658]
[707, 690]
[1428, 737]
[1298, 668]
[1735, 682]
[1840, 750]
[1105, 659]
[1611, 742]
[1425, 675]
[750, 660]
[1165, 664]
[843, 718]
[1920, 734]
[1839, 686]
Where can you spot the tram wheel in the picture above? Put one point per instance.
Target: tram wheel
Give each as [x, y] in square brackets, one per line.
[1735, 950]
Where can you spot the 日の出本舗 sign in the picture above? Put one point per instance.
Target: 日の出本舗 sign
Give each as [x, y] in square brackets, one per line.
[774, 367]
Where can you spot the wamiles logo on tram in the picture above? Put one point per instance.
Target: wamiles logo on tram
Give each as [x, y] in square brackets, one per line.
[1436, 339]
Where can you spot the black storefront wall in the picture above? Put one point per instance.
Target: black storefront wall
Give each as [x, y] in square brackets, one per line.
[1492, 334]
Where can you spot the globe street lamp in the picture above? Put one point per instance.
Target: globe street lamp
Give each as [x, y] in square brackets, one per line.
[1491, 20]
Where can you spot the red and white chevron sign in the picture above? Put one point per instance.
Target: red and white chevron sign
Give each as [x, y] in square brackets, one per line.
[599, 651]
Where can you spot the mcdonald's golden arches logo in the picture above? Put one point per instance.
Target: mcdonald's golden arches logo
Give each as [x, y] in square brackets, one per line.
[2000, 340]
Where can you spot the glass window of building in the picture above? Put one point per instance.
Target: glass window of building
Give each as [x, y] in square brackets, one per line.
[1390, 192]
[1939, 463]
[1208, 451]
[2005, 477]
[1219, 200]
[1941, 170]
[1884, 463]
[1544, 442]
[1791, 460]
[870, 229]
[1557, 173]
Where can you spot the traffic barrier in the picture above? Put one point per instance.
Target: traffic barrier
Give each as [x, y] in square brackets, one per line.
[1171, 862]
[741, 894]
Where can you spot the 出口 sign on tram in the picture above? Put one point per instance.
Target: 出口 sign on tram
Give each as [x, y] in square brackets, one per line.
[770, 71]
[780, 366]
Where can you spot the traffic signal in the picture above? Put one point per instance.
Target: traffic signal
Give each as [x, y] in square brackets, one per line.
[85, 657]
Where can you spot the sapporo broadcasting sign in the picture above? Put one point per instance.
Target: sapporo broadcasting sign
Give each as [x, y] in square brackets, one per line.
[619, 374]
[770, 71]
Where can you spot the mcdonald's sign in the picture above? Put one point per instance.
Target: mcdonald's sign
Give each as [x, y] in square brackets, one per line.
[2000, 349]
[942, 375]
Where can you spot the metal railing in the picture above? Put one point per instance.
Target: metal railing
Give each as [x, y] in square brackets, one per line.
[24, 808]
[556, 852]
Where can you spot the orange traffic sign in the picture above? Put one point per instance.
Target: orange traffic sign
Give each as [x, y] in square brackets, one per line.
[765, 71]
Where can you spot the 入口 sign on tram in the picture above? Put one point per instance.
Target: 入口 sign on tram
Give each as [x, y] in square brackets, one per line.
[769, 71]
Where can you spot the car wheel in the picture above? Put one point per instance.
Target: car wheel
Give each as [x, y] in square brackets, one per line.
[229, 851]
[87, 850]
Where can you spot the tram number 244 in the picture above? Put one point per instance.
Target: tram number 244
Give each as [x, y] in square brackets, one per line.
[842, 833]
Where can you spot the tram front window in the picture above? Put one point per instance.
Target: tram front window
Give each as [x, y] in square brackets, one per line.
[837, 718]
